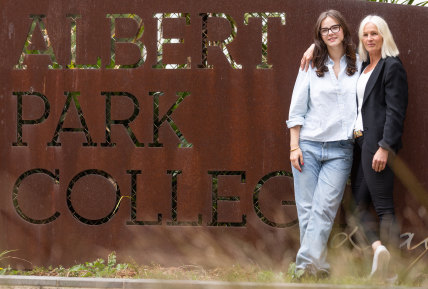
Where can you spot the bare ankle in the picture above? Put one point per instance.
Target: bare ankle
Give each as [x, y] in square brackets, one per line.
[376, 244]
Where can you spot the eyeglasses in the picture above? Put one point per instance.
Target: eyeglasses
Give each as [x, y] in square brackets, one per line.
[333, 29]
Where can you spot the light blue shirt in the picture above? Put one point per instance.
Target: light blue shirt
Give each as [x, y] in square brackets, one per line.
[325, 107]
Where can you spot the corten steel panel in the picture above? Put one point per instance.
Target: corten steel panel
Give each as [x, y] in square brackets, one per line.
[112, 181]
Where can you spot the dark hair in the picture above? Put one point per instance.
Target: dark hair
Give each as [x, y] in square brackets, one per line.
[321, 52]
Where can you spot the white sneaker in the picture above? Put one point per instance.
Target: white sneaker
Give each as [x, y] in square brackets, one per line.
[380, 262]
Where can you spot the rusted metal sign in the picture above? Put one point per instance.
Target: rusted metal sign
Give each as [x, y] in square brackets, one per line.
[156, 129]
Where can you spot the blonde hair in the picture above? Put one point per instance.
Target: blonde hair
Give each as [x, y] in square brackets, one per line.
[389, 48]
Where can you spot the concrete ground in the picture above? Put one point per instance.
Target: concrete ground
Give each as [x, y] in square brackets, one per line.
[40, 282]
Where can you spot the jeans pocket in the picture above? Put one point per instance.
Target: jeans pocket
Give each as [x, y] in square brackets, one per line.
[305, 145]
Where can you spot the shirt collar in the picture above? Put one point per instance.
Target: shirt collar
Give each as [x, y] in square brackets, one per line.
[331, 62]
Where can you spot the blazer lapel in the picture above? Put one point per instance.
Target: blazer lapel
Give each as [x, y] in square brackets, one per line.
[373, 79]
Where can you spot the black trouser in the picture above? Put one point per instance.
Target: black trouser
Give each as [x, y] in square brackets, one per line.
[372, 188]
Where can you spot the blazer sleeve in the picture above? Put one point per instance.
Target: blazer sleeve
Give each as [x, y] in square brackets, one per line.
[396, 98]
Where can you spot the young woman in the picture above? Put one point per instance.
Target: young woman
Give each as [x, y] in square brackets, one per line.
[322, 114]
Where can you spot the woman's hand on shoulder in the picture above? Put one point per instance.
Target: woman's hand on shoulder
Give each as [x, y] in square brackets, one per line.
[307, 57]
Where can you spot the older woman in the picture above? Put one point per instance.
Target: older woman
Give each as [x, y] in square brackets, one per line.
[321, 121]
[382, 103]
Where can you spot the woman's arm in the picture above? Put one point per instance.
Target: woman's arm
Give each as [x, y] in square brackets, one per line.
[307, 57]
[396, 103]
[396, 97]
[296, 116]
[296, 156]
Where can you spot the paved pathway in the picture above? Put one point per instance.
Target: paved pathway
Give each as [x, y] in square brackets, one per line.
[37, 282]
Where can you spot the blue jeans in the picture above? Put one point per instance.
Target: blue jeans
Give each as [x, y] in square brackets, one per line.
[318, 191]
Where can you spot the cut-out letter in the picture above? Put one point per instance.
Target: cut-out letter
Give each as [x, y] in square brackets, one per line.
[124, 122]
[72, 95]
[133, 40]
[55, 178]
[161, 40]
[216, 198]
[167, 117]
[38, 21]
[265, 20]
[20, 121]
[222, 44]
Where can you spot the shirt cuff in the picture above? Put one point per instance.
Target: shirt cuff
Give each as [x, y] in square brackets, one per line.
[293, 122]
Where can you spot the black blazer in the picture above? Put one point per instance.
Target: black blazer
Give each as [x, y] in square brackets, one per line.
[384, 105]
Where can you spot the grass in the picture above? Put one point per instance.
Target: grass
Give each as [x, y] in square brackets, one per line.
[111, 269]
